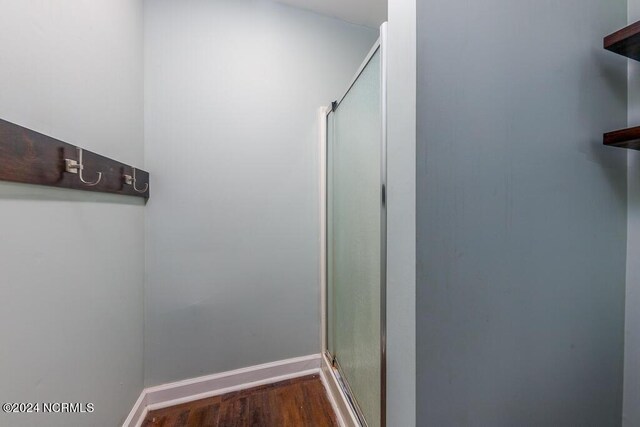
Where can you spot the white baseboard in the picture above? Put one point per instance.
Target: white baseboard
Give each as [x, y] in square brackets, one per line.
[345, 415]
[166, 395]
[138, 412]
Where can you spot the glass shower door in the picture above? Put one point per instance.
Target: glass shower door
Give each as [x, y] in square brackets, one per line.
[354, 239]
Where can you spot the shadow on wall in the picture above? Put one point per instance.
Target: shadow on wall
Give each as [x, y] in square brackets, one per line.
[18, 191]
[610, 159]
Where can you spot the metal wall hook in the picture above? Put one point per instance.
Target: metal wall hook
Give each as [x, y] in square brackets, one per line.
[131, 180]
[73, 166]
[135, 181]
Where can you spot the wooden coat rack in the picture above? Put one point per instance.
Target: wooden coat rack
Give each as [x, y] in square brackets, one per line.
[33, 158]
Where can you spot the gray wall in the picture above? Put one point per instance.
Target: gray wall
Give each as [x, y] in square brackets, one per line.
[521, 214]
[631, 410]
[72, 263]
[232, 92]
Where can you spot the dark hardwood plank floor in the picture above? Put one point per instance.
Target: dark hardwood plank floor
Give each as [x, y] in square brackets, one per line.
[299, 402]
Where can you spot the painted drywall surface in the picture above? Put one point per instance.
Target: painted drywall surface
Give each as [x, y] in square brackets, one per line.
[371, 13]
[72, 263]
[232, 90]
[521, 214]
[631, 407]
[401, 211]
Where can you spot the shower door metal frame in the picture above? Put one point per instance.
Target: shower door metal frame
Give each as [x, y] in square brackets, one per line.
[380, 45]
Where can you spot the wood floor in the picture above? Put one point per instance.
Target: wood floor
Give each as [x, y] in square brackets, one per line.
[299, 402]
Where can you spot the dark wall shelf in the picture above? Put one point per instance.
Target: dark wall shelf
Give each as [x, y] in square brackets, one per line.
[625, 42]
[624, 138]
[30, 157]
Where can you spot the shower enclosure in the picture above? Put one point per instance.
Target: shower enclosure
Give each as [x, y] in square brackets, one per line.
[356, 238]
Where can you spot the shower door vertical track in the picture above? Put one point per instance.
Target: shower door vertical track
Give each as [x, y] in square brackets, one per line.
[380, 45]
[383, 227]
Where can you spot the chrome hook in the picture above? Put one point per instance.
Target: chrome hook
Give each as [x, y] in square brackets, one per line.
[77, 166]
[131, 180]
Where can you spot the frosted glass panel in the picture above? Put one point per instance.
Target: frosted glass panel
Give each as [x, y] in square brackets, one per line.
[354, 238]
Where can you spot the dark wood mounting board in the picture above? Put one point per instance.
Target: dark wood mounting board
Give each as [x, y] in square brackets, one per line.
[624, 138]
[30, 157]
[625, 42]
